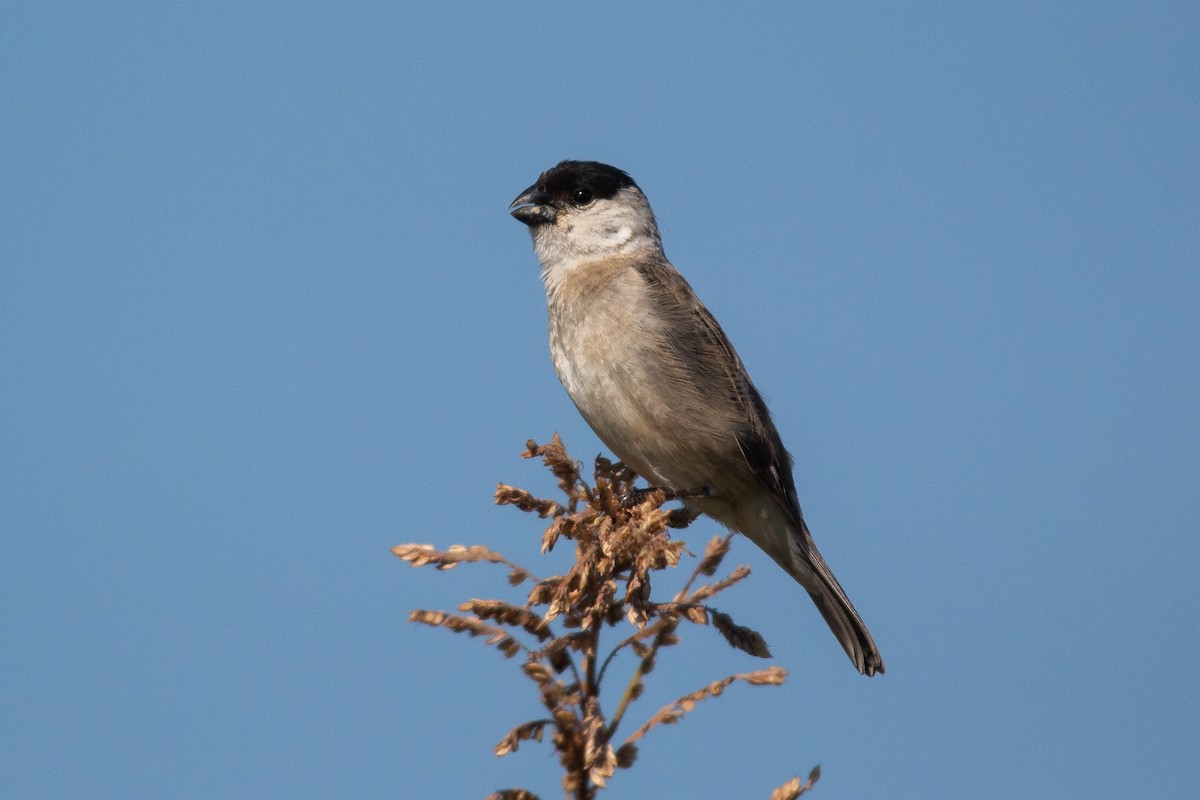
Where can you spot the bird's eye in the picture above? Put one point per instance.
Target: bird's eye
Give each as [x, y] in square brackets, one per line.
[581, 197]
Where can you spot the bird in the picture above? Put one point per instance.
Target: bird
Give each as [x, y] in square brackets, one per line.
[654, 375]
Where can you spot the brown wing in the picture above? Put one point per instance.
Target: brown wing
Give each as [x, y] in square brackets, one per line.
[715, 368]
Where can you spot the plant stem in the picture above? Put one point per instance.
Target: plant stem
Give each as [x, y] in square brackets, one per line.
[644, 664]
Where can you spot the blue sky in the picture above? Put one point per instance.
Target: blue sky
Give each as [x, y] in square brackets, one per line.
[263, 315]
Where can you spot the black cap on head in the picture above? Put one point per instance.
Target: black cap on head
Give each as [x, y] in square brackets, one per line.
[570, 183]
[601, 180]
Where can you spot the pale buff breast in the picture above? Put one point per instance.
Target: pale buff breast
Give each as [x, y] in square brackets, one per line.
[611, 355]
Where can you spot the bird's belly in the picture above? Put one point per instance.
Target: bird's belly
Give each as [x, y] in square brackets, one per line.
[617, 383]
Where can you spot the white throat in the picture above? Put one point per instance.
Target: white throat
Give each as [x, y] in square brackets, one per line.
[620, 226]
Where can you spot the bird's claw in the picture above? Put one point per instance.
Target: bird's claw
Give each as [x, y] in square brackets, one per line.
[635, 496]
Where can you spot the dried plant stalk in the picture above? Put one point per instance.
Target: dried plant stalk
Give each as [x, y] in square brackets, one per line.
[512, 794]
[672, 713]
[794, 788]
[620, 547]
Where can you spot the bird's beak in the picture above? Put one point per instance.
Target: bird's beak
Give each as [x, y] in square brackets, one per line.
[533, 207]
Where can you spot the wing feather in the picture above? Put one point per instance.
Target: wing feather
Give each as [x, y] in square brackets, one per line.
[704, 347]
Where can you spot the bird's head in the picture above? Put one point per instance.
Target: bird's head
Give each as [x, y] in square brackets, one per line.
[580, 210]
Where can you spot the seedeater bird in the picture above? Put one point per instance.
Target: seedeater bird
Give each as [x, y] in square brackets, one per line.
[656, 378]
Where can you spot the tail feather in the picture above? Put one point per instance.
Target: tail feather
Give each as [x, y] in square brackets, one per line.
[779, 529]
[845, 623]
[830, 598]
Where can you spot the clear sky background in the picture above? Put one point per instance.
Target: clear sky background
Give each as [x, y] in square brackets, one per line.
[263, 315]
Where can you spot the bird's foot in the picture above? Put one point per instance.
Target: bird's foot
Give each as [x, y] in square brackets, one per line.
[635, 496]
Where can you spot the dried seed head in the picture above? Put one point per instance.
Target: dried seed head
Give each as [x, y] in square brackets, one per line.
[741, 638]
[620, 544]
[793, 788]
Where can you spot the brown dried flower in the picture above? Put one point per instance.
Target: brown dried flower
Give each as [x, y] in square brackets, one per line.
[621, 541]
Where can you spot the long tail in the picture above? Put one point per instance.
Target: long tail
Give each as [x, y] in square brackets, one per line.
[831, 600]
